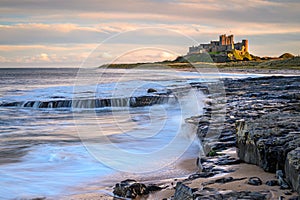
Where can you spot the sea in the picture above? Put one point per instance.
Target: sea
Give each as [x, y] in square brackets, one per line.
[67, 131]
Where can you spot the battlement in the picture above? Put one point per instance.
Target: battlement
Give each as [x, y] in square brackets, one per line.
[225, 44]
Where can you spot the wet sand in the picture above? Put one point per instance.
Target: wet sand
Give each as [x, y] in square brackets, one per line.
[242, 170]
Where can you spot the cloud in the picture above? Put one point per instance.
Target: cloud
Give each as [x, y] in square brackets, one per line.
[4, 59]
[18, 55]
[51, 48]
[44, 57]
[75, 34]
[33, 33]
[145, 55]
[66, 31]
[188, 11]
[106, 55]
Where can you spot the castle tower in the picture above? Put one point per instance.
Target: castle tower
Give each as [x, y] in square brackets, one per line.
[245, 44]
[230, 39]
[222, 40]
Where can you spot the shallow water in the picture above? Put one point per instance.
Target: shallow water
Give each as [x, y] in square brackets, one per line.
[51, 151]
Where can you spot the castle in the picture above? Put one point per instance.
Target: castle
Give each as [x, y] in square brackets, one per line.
[225, 44]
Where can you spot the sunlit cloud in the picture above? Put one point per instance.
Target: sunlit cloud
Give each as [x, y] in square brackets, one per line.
[44, 57]
[71, 33]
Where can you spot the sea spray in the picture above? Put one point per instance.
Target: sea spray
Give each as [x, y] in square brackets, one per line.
[165, 135]
[192, 105]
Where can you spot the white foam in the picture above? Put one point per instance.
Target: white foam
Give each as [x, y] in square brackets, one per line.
[49, 170]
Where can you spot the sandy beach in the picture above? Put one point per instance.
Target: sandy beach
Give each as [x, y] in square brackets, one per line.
[243, 170]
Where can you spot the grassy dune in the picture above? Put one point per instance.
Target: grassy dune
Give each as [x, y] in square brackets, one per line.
[278, 64]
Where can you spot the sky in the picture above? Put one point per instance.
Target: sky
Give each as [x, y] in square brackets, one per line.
[63, 33]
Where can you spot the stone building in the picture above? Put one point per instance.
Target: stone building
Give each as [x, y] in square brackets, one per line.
[225, 44]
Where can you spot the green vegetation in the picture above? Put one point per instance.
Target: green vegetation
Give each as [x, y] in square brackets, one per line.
[190, 62]
[274, 63]
[247, 56]
[290, 63]
[286, 56]
[239, 55]
[215, 53]
[192, 58]
[212, 153]
[202, 57]
[123, 65]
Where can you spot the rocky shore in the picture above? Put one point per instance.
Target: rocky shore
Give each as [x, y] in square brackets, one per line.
[256, 122]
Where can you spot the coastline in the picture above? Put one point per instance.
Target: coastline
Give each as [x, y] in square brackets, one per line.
[284, 66]
[234, 170]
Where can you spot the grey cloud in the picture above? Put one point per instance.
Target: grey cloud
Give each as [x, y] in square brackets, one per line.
[270, 39]
[16, 35]
[273, 44]
[204, 11]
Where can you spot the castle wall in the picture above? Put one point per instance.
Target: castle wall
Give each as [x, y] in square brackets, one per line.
[238, 46]
[225, 43]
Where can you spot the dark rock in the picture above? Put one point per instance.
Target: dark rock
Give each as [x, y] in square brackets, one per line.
[11, 104]
[131, 189]
[207, 167]
[183, 192]
[214, 194]
[220, 170]
[151, 90]
[295, 198]
[203, 159]
[268, 141]
[201, 175]
[227, 161]
[292, 169]
[145, 100]
[224, 180]
[272, 183]
[247, 195]
[218, 146]
[153, 188]
[281, 181]
[287, 193]
[136, 189]
[57, 97]
[207, 194]
[266, 112]
[230, 138]
[254, 181]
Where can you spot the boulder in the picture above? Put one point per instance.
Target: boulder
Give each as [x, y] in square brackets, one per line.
[183, 192]
[254, 181]
[130, 189]
[292, 169]
[151, 90]
[267, 140]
